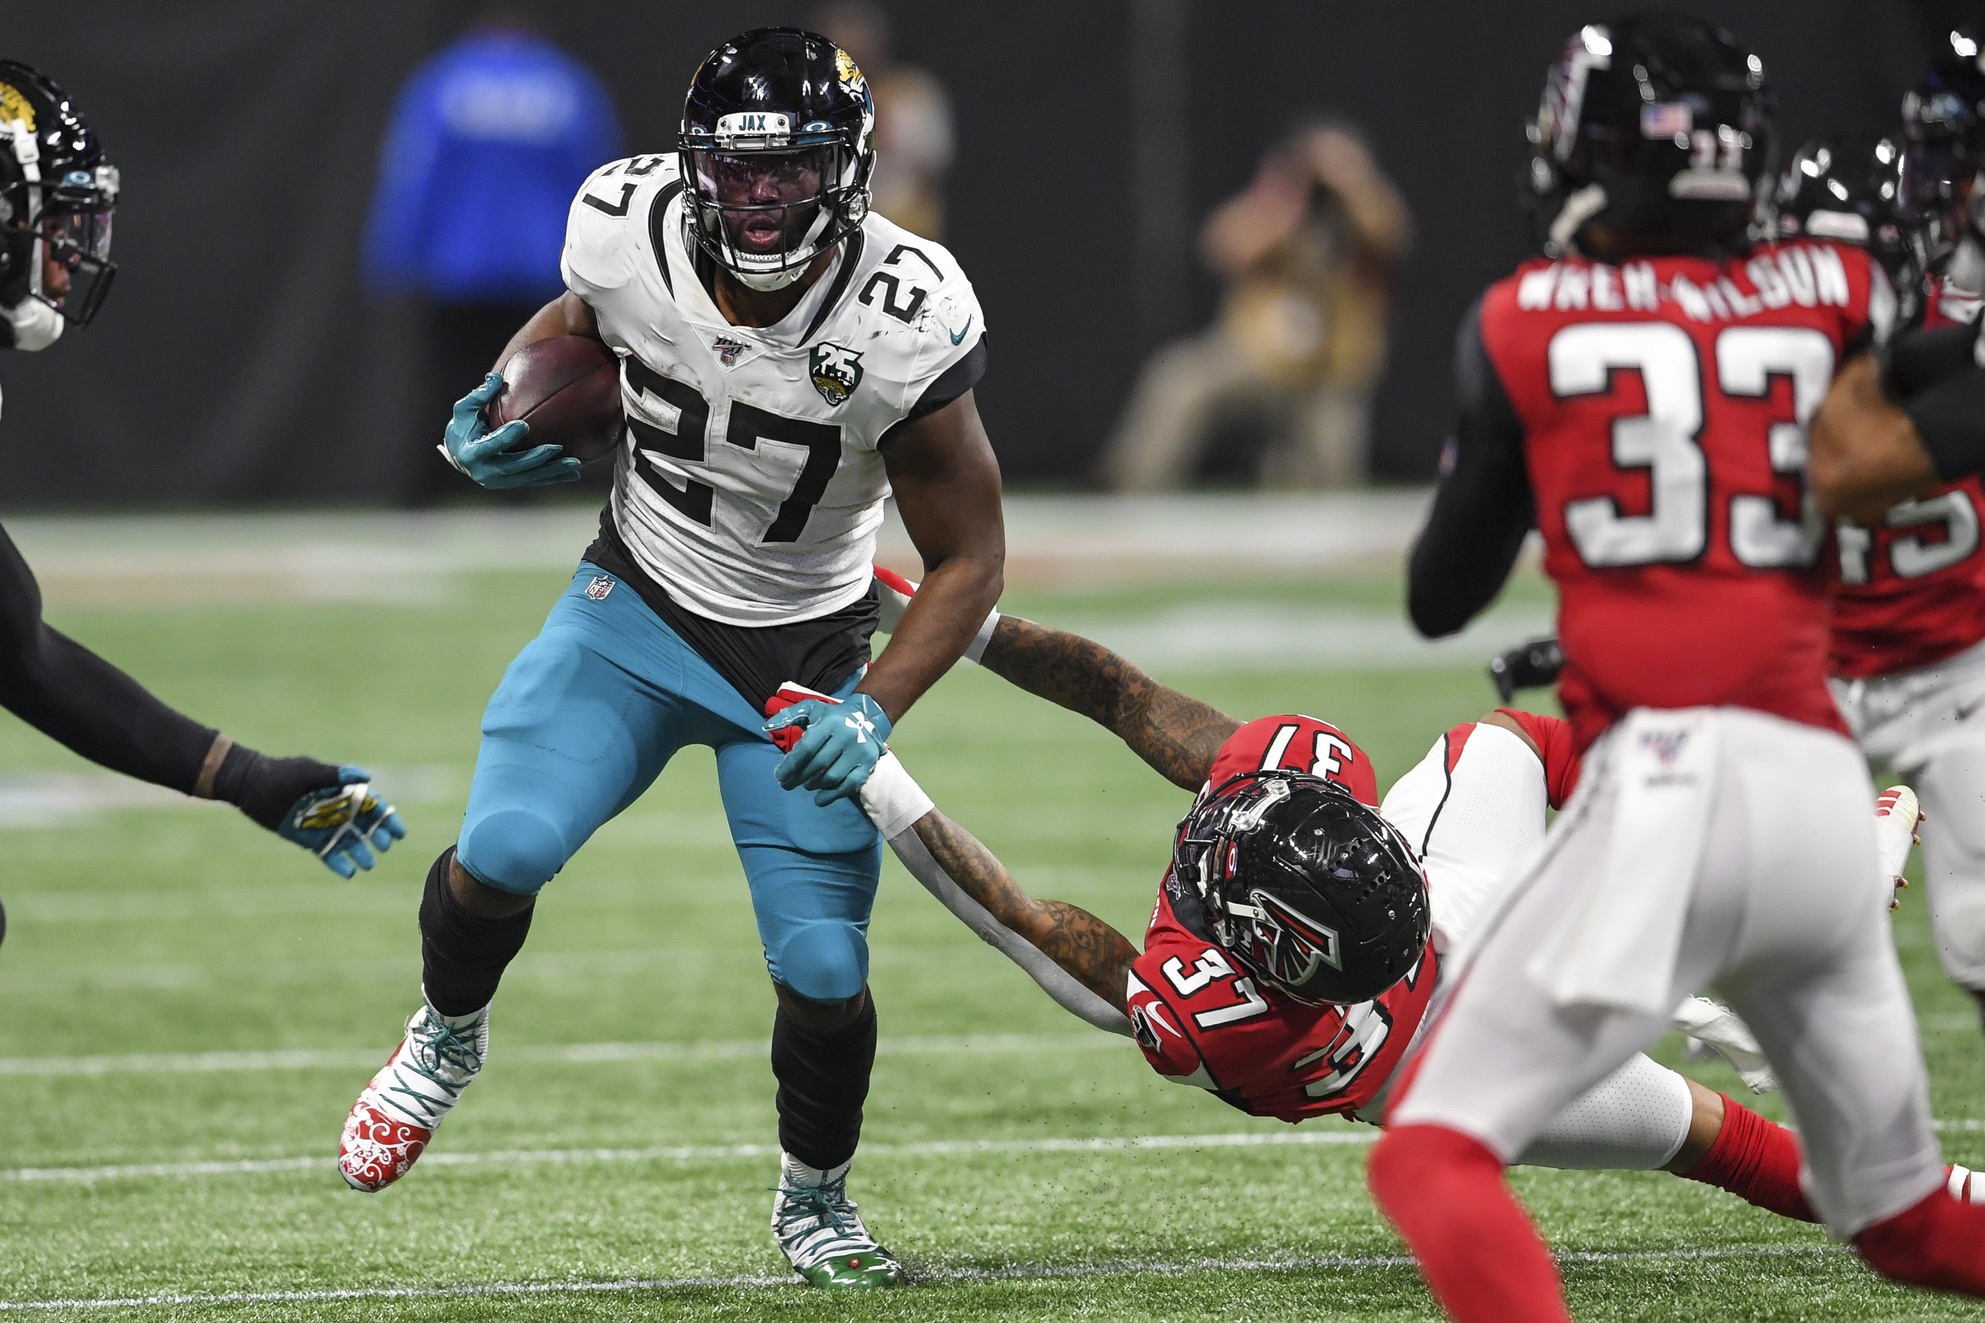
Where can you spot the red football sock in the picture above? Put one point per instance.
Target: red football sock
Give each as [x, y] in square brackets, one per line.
[1481, 1257]
[1755, 1160]
[1938, 1242]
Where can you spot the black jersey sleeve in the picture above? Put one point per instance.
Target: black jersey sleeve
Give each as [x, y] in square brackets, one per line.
[1483, 507]
[78, 699]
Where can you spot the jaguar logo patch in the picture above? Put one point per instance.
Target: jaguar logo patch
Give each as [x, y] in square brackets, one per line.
[836, 372]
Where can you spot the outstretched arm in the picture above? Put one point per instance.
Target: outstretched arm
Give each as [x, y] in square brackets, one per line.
[81, 701]
[1176, 734]
[1092, 952]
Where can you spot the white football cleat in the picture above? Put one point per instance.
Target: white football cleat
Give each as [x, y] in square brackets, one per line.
[1722, 1031]
[820, 1231]
[1897, 815]
[396, 1114]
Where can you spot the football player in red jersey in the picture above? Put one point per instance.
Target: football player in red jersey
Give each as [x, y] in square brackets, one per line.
[1641, 396]
[1908, 652]
[1290, 958]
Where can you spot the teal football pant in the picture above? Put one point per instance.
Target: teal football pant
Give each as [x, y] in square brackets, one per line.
[585, 719]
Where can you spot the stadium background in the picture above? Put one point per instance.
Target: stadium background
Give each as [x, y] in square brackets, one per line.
[240, 360]
[187, 1004]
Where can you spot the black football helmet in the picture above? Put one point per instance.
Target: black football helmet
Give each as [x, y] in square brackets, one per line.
[57, 194]
[778, 144]
[1658, 124]
[1309, 890]
[1847, 186]
[1943, 130]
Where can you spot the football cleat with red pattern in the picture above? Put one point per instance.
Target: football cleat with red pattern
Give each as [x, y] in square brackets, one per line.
[396, 1114]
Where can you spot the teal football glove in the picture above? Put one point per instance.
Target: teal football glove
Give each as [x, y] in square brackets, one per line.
[488, 456]
[342, 824]
[841, 745]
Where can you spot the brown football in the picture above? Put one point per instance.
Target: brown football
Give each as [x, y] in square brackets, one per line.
[567, 388]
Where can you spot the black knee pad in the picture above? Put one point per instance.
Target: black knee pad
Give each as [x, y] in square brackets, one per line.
[463, 955]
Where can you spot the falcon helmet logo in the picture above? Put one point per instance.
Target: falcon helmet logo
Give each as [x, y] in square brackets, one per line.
[836, 372]
[1297, 945]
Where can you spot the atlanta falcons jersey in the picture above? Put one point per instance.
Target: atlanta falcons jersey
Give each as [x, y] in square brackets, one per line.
[1912, 591]
[1203, 1021]
[749, 485]
[1662, 406]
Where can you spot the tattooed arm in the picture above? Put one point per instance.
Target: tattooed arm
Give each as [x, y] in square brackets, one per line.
[1096, 955]
[1177, 735]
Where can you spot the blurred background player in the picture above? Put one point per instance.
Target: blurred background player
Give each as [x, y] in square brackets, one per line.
[1908, 651]
[488, 141]
[1305, 257]
[1642, 399]
[789, 358]
[915, 144]
[58, 193]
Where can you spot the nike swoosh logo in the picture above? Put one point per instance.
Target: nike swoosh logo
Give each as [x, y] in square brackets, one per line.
[958, 336]
[1963, 711]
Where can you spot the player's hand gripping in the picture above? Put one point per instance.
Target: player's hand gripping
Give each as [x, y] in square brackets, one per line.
[490, 457]
[831, 746]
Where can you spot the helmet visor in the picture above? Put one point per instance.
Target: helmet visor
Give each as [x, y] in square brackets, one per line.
[766, 202]
[76, 268]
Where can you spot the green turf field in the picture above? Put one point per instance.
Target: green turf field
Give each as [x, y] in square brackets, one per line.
[181, 989]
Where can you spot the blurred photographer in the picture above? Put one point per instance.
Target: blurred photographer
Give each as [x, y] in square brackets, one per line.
[1306, 253]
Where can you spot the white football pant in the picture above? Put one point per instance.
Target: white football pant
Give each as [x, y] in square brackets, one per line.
[1928, 727]
[1783, 911]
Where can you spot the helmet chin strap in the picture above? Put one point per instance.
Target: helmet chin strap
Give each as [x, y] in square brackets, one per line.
[767, 281]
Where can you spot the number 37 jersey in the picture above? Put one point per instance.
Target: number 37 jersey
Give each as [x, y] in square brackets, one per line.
[1202, 1020]
[750, 485]
[1663, 406]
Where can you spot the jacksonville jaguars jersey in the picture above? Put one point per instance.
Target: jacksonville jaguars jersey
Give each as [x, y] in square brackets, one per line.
[749, 485]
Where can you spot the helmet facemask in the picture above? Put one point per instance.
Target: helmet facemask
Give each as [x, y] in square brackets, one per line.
[1260, 909]
[69, 220]
[765, 205]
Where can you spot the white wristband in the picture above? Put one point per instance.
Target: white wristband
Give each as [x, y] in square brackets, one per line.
[976, 649]
[892, 798]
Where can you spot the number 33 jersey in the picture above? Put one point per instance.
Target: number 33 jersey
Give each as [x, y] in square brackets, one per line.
[749, 484]
[1662, 405]
[1201, 1019]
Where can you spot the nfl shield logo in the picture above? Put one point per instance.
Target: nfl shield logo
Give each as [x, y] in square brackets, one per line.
[836, 372]
[727, 350]
[598, 589]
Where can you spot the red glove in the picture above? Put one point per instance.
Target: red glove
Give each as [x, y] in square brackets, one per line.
[789, 693]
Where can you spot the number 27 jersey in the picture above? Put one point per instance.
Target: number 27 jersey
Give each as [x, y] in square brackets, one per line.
[1663, 406]
[750, 484]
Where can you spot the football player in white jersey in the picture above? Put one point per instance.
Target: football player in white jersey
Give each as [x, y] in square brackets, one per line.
[788, 359]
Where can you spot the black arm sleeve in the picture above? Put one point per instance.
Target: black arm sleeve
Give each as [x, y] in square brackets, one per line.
[1484, 506]
[78, 699]
[1950, 421]
[1921, 359]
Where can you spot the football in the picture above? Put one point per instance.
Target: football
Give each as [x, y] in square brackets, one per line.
[568, 389]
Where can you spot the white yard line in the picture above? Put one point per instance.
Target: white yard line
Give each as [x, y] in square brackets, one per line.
[1016, 1273]
[566, 1054]
[710, 1153]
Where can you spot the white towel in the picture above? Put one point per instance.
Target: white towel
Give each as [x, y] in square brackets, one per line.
[1617, 946]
